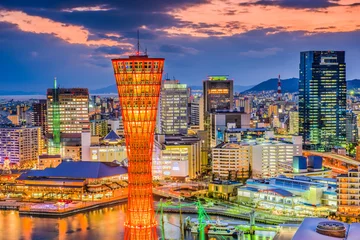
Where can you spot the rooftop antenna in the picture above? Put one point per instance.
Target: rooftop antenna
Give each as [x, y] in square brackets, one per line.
[138, 43]
[55, 84]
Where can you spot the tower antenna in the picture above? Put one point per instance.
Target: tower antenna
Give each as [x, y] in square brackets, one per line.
[138, 43]
[279, 95]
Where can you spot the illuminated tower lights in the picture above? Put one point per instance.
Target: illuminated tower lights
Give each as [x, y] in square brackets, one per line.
[138, 80]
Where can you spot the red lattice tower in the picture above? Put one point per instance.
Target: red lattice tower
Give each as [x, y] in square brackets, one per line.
[138, 80]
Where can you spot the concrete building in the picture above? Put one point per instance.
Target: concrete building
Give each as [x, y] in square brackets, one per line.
[268, 155]
[20, 144]
[99, 127]
[237, 134]
[222, 120]
[110, 148]
[348, 193]
[180, 157]
[173, 107]
[228, 157]
[49, 161]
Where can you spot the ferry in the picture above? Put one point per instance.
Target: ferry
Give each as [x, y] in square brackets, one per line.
[215, 228]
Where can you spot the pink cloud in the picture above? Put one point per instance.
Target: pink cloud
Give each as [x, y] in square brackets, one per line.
[213, 18]
[73, 34]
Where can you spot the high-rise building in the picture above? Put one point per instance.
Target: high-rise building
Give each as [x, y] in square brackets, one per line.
[322, 99]
[348, 193]
[294, 122]
[67, 116]
[39, 115]
[352, 135]
[218, 91]
[73, 109]
[138, 79]
[173, 107]
[20, 144]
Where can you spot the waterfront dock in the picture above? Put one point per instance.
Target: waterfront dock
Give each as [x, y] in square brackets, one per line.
[48, 209]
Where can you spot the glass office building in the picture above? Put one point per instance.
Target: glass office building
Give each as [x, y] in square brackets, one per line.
[322, 99]
[173, 107]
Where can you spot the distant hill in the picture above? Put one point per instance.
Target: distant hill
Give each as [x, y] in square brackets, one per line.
[287, 85]
[4, 93]
[291, 85]
[352, 84]
[112, 89]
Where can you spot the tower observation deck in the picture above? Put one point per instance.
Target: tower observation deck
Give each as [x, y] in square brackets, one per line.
[138, 80]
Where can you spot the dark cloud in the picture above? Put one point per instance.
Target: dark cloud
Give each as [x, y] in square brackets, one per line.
[294, 3]
[110, 50]
[127, 5]
[172, 48]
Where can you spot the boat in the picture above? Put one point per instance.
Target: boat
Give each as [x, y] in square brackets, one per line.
[215, 228]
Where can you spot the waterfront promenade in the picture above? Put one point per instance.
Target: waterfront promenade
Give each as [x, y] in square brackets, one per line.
[56, 209]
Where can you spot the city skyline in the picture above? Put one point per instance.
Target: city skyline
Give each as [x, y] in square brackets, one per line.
[63, 39]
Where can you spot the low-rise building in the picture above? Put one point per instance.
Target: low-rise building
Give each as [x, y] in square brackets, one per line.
[180, 157]
[71, 180]
[298, 194]
[49, 161]
[224, 189]
[227, 157]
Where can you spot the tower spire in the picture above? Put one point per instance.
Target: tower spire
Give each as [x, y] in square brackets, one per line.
[279, 95]
[55, 83]
[138, 43]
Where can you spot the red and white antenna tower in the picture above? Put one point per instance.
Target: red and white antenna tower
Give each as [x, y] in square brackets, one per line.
[279, 95]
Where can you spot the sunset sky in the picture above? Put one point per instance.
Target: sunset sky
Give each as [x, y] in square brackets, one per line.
[250, 40]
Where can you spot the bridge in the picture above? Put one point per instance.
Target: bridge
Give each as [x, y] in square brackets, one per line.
[338, 163]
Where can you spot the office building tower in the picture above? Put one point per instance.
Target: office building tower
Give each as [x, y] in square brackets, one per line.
[352, 134]
[218, 93]
[20, 144]
[173, 107]
[40, 114]
[294, 122]
[322, 99]
[73, 104]
[67, 116]
[138, 79]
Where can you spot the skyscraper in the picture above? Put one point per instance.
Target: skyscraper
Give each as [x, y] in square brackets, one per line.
[67, 114]
[218, 93]
[173, 107]
[19, 144]
[322, 99]
[138, 79]
[39, 116]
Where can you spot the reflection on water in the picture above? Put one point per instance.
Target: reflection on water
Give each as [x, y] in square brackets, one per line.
[106, 223]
